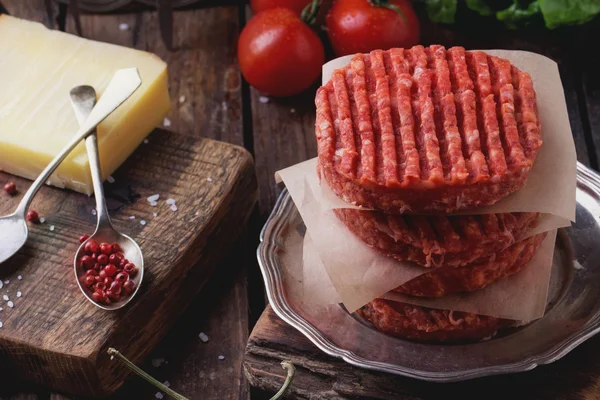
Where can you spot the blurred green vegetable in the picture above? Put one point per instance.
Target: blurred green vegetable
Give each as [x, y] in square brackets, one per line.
[555, 13]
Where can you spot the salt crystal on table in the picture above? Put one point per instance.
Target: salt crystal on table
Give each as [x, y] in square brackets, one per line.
[146, 141]
[173, 207]
[293, 110]
[1, 325]
[209, 179]
[142, 222]
[19, 277]
[94, 212]
[1, 285]
[110, 179]
[263, 99]
[1, 308]
[181, 99]
[153, 203]
[42, 220]
[5, 298]
[167, 383]
[159, 395]
[7, 281]
[132, 217]
[221, 357]
[155, 214]
[167, 122]
[197, 212]
[51, 227]
[123, 27]
[170, 201]
[203, 337]
[157, 362]
[19, 293]
[152, 198]
[11, 304]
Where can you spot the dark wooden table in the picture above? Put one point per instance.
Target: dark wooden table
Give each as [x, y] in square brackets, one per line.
[220, 105]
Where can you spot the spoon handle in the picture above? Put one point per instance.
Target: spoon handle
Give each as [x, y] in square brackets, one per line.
[83, 100]
[122, 85]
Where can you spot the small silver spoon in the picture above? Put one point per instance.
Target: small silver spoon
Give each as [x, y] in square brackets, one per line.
[83, 99]
[13, 228]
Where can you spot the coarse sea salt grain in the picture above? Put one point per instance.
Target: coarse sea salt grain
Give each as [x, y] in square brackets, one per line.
[159, 395]
[110, 179]
[94, 212]
[51, 227]
[5, 298]
[142, 222]
[170, 201]
[221, 357]
[1, 284]
[293, 110]
[123, 27]
[10, 304]
[153, 203]
[203, 337]
[1, 325]
[19, 294]
[42, 220]
[157, 362]
[167, 122]
[263, 99]
[173, 207]
[132, 217]
[167, 383]
[155, 214]
[152, 198]
[7, 281]
[208, 179]
[19, 277]
[181, 99]
[146, 141]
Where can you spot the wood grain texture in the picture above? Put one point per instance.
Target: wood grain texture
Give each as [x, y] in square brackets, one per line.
[319, 376]
[34, 10]
[53, 336]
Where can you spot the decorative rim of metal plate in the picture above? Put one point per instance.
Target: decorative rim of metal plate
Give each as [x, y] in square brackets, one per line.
[269, 264]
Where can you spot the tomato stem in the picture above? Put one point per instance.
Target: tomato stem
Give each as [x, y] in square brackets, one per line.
[291, 371]
[386, 4]
[310, 12]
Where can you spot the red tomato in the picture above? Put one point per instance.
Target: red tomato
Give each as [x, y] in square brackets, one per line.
[261, 5]
[359, 26]
[279, 54]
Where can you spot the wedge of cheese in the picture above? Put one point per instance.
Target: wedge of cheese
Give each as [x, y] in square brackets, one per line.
[38, 68]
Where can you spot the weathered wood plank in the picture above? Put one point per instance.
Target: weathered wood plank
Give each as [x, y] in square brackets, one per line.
[318, 376]
[34, 10]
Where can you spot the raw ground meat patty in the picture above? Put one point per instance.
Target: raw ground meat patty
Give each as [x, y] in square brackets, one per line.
[432, 241]
[428, 324]
[426, 129]
[447, 280]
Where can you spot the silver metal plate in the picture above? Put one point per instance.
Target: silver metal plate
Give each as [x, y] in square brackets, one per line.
[572, 314]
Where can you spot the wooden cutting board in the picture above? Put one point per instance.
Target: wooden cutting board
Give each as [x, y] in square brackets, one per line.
[319, 376]
[55, 337]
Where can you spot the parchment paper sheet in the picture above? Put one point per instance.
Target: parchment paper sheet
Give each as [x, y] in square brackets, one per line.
[359, 274]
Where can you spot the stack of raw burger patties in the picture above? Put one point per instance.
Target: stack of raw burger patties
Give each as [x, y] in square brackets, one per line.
[414, 135]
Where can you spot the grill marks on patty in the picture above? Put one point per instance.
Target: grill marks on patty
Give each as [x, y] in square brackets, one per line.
[437, 116]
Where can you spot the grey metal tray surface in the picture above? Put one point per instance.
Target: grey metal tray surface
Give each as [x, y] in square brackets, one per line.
[572, 314]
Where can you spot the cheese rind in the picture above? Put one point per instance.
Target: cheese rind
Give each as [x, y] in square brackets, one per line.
[38, 69]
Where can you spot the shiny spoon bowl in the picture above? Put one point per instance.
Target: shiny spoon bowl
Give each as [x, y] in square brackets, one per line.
[83, 99]
[13, 228]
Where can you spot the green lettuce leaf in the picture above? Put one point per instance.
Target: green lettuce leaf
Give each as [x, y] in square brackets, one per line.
[441, 10]
[480, 6]
[568, 12]
[516, 16]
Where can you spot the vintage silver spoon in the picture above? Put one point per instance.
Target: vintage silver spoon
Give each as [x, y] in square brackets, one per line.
[83, 99]
[13, 227]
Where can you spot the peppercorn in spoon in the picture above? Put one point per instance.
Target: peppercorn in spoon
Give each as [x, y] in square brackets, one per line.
[13, 228]
[109, 265]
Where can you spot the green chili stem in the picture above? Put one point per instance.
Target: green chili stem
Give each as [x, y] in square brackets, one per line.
[291, 370]
[114, 353]
[310, 12]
